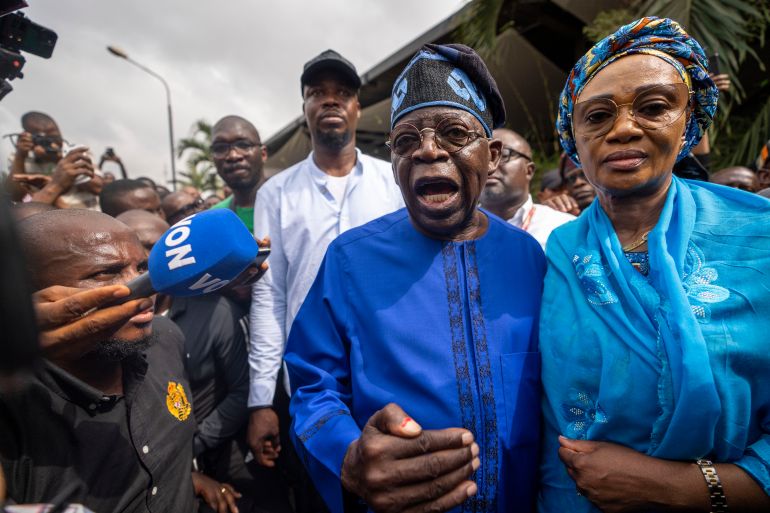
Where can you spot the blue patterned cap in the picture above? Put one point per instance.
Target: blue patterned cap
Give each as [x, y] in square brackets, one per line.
[663, 38]
[450, 75]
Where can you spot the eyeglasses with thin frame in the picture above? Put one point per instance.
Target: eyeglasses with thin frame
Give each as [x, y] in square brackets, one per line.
[509, 154]
[450, 134]
[186, 210]
[654, 108]
[222, 149]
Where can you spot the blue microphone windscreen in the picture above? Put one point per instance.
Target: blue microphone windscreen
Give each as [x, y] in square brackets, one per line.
[201, 253]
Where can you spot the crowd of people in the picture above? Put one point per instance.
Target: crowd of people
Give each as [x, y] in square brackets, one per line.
[427, 335]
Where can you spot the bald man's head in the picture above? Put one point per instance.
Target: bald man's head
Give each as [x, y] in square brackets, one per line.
[738, 177]
[228, 122]
[61, 244]
[147, 227]
[85, 249]
[24, 210]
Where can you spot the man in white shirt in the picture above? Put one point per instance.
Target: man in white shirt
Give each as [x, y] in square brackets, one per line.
[303, 209]
[506, 193]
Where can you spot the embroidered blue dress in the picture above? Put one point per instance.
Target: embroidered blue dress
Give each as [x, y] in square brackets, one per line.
[675, 364]
[447, 330]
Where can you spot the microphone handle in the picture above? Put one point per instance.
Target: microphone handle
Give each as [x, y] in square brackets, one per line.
[141, 286]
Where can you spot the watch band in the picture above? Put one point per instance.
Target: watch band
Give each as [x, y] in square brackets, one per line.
[716, 492]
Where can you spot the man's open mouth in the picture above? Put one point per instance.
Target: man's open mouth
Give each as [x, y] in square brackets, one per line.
[436, 191]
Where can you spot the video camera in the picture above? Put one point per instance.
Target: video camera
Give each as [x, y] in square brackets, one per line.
[20, 34]
[53, 145]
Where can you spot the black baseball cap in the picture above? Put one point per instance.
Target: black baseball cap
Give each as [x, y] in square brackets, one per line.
[330, 61]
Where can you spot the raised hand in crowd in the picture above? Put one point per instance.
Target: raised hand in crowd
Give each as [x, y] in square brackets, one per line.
[563, 203]
[109, 155]
[71, 320]
[76, 163]
[396, 466]
[24, 145]
[220, 497]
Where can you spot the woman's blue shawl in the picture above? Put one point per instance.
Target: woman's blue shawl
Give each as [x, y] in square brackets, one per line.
[676, 364]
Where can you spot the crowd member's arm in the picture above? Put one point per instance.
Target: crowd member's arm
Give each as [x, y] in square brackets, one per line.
[23, 146]
[74, 164]
[391, 463]
[17, 165]
[229, 416]
[563, 203]
[71, 320]
[618, 479]
[113, 158]
[267, 334]
[219, 496]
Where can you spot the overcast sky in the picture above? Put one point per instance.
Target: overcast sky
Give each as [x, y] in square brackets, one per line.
[236, 57]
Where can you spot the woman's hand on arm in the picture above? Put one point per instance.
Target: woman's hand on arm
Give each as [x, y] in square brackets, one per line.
[618, 479]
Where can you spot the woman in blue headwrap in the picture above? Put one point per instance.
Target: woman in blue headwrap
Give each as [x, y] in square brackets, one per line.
[655, 325]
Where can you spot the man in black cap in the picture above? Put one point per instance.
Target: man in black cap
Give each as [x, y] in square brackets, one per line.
[413, 358]
[302, 209]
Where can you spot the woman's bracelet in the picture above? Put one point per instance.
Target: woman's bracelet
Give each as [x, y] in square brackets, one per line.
[716, 492]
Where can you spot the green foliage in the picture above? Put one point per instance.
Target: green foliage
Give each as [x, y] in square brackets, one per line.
[733, 29]
[607, 22]
[544, 162]
[730, 28]
[479, 29]
[201, 172]
[748, 145]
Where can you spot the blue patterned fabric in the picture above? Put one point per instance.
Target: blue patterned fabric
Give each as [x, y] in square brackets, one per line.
[394, 316]
[663, 38]
[675, 364]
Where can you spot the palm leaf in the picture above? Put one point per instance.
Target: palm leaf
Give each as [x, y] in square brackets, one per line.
[730, 28]
[754, 137]
[479, 29]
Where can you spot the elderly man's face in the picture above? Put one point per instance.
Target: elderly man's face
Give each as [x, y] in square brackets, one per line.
[93, 254]
[441, 189]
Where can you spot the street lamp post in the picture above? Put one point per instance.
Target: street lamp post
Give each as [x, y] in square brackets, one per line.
[123, 55]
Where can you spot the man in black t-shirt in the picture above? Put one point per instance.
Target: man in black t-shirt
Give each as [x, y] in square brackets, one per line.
[107, 420]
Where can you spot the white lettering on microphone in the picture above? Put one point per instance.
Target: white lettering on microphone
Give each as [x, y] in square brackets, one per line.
[208, 283]
[175, 237]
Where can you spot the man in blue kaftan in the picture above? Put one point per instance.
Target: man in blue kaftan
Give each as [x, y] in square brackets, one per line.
[433, 308]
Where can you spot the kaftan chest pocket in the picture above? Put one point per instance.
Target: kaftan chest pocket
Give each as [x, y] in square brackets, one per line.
[521, 389]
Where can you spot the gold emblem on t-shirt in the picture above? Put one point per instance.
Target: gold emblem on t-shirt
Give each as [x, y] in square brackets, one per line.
[176, 401]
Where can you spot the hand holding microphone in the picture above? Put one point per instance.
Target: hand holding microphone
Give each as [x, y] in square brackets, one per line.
[200, 254]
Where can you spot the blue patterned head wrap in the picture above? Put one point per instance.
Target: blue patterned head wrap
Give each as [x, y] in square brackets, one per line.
[663, 38]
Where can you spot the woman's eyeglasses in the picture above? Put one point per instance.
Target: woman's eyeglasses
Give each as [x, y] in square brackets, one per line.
[653, 109]
[450, 134]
